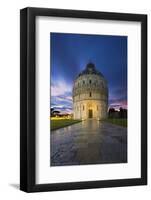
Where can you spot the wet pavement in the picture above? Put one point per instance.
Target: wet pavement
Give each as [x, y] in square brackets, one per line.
[88, 142]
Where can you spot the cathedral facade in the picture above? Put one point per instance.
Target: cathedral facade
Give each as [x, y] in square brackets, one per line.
[90, 94]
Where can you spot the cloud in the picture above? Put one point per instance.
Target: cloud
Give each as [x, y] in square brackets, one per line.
[118, 97]
[61, 96]
[60, 88]
[63, 109]
[118, 103]
[64, 98]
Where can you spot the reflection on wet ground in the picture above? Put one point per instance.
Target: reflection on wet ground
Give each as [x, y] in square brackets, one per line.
[88, 142]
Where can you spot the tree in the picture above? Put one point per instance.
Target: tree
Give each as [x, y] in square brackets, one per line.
[123, 113]
[51, 110]
[54, 112]
[111, 112]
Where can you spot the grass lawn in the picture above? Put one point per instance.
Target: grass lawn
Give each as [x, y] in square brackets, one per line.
[120, 121]
[60, 123]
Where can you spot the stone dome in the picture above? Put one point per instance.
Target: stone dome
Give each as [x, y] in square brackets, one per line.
[90, 69]
[90, 94]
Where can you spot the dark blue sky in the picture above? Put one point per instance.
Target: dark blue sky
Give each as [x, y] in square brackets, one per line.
[70, 54]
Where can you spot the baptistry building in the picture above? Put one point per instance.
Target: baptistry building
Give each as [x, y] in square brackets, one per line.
[90, 94]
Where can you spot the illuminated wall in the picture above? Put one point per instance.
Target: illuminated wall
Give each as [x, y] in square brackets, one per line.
[90, 95]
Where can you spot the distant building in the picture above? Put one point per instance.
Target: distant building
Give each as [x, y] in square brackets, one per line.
[90, 94]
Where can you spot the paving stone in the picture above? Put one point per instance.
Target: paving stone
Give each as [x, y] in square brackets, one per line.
[88, 142]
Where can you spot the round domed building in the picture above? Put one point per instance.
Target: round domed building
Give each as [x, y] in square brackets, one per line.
[90, 94]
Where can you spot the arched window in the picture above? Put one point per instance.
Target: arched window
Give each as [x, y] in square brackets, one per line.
[97, 107]
[90, 94]
[83, 82]
[83, 107]
[90, 81]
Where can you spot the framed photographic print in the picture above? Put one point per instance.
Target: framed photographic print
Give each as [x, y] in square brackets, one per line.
[83, 99]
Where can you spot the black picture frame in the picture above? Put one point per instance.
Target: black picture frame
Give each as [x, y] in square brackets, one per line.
[28, 99]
